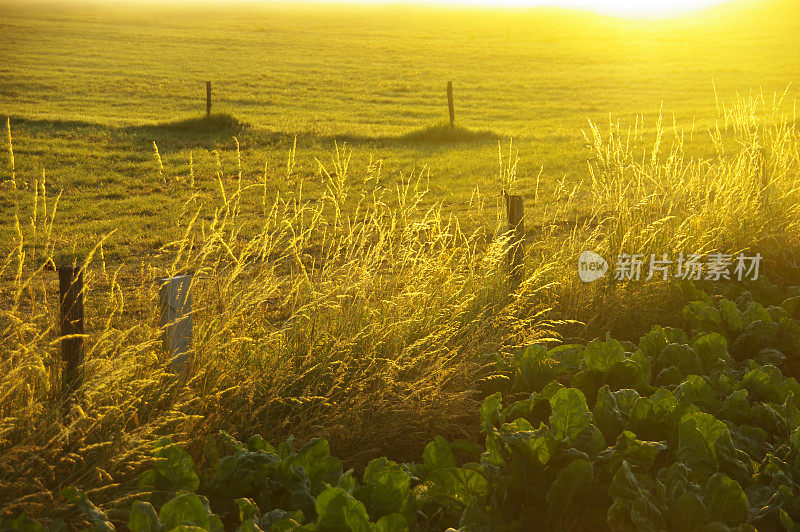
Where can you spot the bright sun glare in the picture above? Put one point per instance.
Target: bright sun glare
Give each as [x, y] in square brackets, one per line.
[626, 8]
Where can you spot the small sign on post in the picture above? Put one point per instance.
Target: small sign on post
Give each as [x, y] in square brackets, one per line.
[515, 256]
[208, 98]
[70, 283]
[450, 104]
[176, 319]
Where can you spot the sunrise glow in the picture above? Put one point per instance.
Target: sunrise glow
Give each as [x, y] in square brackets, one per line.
[621, 8]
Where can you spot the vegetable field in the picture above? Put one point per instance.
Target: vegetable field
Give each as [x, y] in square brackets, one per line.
[694, 429]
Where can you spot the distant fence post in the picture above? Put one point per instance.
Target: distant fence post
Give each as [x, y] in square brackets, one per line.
[176, 319]
[70, 283]
[515, 257]
[450, 104]
[208, 98]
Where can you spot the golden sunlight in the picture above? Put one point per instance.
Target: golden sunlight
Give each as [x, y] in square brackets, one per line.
[624, 8]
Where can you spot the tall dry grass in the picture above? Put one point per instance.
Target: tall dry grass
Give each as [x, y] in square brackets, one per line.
[647, 192]
[365, 317]
[362, 318]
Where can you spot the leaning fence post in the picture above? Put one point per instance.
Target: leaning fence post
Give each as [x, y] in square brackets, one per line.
[70, 283]
[450, 103]
[175, 301]
[515, 256]
[208, 98]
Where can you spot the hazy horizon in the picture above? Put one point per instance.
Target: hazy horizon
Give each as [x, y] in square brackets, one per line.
[605, 7]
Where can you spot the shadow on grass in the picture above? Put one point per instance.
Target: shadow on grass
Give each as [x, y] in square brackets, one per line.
[446, 134]
[195, 131]
[216, 124]
[190, 132]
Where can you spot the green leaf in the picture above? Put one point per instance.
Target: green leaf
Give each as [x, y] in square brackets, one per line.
[712, 348]
[347, 481]
[392, 523]
[568, 357]
[278, 520]
[767, 383]
[698, 437]
[737, 407]
[247, 509]
[689, 512]
[601, 356]
[731, 317]
[176, 469]
[437, 454]
[632, 450]
[490, 412]
[338, 511]
[458, 484]
[467, 447]
[607, 415]
[550, 390]
[257, 443]
[697, 391]
[625, 399]
[534, 367]
[770, 356]
[143, 518]
[587, 382]
[186, 509]
[250, 525]
[788, 523]
[639, 502]
[315, 458]
[755, 312]
[652, 343]
[643, 371]
[290, 525]
[703, 317]
[241, 474]
[215, 523]
[99, 520]
[726, 500]
[682, 357]
[535, 446]
[386, 488]
[474, 518]
[676, 479]
[570, 482]
[570, 414]
[655, 417]
[669, 376]
[627, 373]
[792, 307]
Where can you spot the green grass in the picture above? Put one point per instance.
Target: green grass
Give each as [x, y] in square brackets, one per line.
[90, 86]
[372, 71]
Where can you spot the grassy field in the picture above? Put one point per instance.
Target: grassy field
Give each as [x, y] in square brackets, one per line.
[348, 246]
[90, 86]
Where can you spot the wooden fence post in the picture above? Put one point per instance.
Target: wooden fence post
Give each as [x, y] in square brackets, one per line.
[450, 103]
[176, 319]
[70, 283]
[208, 98]
[515, 256]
